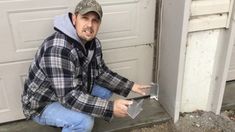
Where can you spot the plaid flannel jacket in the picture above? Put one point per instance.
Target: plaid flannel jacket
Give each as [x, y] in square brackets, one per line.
[61, 72]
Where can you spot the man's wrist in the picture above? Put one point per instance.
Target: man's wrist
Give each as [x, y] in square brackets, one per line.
[108, 114]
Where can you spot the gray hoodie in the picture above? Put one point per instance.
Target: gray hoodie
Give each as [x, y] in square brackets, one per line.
[64, 24]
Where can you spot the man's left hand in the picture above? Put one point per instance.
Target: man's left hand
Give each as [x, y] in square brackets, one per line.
[140, 89]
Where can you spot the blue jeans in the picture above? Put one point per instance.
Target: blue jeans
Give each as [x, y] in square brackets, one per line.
[70, 121]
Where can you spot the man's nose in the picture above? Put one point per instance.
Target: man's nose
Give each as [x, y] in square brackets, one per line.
[89, 23]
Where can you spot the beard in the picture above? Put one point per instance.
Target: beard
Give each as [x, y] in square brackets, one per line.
[88, 34]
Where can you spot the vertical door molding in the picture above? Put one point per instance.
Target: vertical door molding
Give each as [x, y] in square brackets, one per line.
[222, 65]
[172, 54]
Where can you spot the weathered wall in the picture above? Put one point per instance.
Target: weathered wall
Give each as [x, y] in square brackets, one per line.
[199, 68]
[208, 20]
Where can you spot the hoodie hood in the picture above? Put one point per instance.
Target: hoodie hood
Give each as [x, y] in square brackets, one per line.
[64, 24]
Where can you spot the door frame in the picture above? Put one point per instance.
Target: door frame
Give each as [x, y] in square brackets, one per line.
[173, 39]
[222, 65]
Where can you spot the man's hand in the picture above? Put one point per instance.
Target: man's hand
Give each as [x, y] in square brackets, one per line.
[120, 107]
[140, 89]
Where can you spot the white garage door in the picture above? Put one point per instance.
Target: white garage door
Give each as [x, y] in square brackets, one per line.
[231, 73]
[127, 33]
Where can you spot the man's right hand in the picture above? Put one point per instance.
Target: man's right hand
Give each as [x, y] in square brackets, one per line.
[120, 107]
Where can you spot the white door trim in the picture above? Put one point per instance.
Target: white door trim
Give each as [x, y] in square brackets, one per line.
[222, 65]
[174, 30]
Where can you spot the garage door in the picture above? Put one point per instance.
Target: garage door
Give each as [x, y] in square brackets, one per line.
[126, 33]
[231, 73]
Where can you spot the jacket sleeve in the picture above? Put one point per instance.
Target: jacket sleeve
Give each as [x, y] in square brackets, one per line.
[58, 64]
[113, 81]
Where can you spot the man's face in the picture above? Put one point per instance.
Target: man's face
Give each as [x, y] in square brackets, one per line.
[86, 25]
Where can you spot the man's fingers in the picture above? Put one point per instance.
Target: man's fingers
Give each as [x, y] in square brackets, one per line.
[121, 107]
[123, 114]
[145, 86]
[127, 102]
[142, 92]
[143, 89]
[124, 107]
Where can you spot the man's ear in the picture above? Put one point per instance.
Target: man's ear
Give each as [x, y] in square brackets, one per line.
[74, 18]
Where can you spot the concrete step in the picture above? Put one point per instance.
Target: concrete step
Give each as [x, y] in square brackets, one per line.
[152, 113]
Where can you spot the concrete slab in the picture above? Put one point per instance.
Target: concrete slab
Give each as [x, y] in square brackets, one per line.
[152, 113]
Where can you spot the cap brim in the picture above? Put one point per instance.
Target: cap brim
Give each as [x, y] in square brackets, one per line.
[90, 10]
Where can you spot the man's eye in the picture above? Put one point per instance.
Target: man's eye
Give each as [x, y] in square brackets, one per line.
[84, 17]
[96, 20]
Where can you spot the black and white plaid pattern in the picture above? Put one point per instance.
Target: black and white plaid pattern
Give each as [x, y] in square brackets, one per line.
[61, 72]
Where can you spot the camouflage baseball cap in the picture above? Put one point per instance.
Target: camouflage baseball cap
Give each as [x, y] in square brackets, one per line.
[86, 6]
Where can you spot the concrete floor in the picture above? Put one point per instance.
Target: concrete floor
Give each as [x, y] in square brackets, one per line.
[152, 113]
[229, 96]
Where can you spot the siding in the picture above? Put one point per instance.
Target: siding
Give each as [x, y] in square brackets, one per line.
[210, 14]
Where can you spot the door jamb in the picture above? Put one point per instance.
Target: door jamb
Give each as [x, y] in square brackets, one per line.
[222, 66]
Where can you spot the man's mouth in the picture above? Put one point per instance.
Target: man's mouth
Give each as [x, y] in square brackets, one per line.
[88, 31]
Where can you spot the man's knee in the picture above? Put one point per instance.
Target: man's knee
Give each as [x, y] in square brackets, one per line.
[101, 92]
[86, 124]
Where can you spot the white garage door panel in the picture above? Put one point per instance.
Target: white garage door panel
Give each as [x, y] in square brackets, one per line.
[231, 74]
[26, 36]
[25, 24]
[132, 62]
[119, 23]
[127, 23]
[135, 63]
[11, 84]
[127, 69]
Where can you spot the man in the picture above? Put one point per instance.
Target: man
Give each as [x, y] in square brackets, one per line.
[68, 82]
